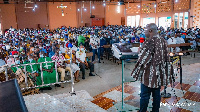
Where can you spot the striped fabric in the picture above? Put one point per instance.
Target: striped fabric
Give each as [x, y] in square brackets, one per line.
[153, 68]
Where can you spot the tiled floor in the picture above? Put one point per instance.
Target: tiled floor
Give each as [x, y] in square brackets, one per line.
[186, 99]
[109, 76]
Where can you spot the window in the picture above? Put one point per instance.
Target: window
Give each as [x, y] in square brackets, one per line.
[165, 22]
[176, 20]
[133, 21]
[186, 21]
[137, 20]
[148, 21]
[180, 20]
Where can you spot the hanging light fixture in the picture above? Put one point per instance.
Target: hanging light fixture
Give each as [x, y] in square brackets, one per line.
[104, 4]
[118, 3]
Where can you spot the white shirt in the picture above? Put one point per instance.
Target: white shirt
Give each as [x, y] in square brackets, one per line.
[81, 55]
[194, 44]
[171, 40]
[58, 41]
[180, 40]
[74, 48]
[2, 62]
[10, 62]
[189, 36]
[7, 47]
[62, 49]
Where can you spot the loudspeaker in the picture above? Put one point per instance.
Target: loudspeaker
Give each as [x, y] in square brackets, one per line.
[121, 2]
[92, 16]
[6, 1]
[11, 99]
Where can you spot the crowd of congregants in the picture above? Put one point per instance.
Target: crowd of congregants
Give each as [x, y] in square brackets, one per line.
[40, 45]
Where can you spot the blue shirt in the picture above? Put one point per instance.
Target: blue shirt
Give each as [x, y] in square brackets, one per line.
[133, 38]
[138, 38]
[183, 36]
[2, 62]
[102, 42]
[70, 45]
[198, 36]
[45, 51]
[66, 36]
[142, 35]
[51, 54]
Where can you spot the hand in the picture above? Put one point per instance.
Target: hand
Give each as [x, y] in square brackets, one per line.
[138, 49]
[86, 64]
[36, 74]
[80, 60]
[63, 66]
[51, 71]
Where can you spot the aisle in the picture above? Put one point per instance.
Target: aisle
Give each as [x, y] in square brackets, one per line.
[186, 102]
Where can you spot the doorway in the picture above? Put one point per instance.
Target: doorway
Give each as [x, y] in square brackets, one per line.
[122, 20]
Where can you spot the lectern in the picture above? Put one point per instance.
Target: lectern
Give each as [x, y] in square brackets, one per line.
[128, 54]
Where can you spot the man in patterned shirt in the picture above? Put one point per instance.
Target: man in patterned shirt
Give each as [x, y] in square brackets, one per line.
[61, 67]
[152, 68]
[95, 43]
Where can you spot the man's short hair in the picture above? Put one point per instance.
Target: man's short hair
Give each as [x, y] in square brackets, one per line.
[81, 44]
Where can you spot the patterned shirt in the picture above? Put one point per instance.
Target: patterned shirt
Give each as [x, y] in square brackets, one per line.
[58, 58]
[95, 42]
[153, 68]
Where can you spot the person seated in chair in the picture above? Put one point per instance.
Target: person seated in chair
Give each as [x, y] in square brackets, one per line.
[20, 75]
[49, 73]
[74, 68]
[32, 70]
[81, 60]
[60, 66]
[19, 69]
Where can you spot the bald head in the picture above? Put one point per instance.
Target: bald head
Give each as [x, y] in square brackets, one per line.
[152, 27]
[151, 30]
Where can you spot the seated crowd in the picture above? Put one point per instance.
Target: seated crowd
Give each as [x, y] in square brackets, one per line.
[34, 46]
